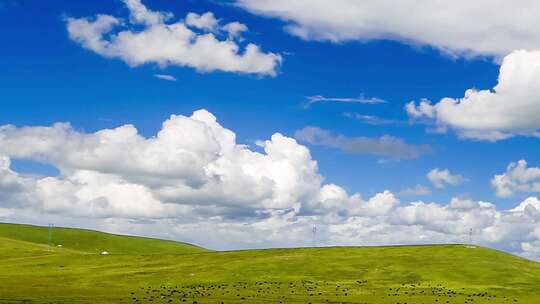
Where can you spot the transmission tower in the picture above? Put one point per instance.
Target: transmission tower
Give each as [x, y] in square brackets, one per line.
[314, 230]
[51, 226]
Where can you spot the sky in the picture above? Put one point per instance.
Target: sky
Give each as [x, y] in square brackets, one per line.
[245, 123]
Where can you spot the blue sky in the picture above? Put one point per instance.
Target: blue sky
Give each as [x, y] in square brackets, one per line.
[48, 77]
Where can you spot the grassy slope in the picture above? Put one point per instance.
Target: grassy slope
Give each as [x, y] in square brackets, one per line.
[89, 241]
[29, 271]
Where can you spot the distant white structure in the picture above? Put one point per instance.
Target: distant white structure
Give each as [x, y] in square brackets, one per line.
[104, 253]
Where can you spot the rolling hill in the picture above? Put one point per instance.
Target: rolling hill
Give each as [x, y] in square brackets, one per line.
[88, 241]
[142, 270]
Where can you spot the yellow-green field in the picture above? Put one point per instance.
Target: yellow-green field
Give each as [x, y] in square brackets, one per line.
[141, 270]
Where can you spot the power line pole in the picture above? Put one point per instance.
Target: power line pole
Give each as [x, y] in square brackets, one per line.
[51, 226]
[470, 236]
[314, 235]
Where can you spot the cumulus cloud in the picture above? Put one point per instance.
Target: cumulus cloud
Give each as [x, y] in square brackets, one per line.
[139, 14]
[235, 29]
[192, 181]
[195, 42]
[13, 187]
[517, 178]
[206, 21]
[192, 161]
[442, 177]
[333, 199]
[468, 28]
[531, 205]
[511, 108]
[385, 145]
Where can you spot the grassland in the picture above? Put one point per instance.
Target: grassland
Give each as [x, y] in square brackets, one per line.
[141, 270]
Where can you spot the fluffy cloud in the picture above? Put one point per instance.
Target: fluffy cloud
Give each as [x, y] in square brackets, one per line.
[206, 21]
[517, 178]
[511, 108]
[139, 14]
[192, 161]
[195, 42]
[383, 146]
[192, 181]
[13, 187]
[469, 28]
[440, 178]
[235, 29]
[531, 205]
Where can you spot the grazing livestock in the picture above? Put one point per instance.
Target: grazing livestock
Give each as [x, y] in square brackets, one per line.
[265, 291]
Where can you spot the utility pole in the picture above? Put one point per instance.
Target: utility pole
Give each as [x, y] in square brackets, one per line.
[314, 235]
[470, 236]
[51, 226]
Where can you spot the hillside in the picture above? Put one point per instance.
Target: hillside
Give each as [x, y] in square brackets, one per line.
[88, 241]
[378, 275]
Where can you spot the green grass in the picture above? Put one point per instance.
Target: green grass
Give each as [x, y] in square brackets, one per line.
[89, 241]
[141, 270]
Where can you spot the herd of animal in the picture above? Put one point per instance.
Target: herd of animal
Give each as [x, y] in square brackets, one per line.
[306, 291]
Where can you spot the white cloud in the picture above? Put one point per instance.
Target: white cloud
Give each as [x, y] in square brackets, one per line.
[517, 178]
[235, 29]
[511, 108]
[362, 100]
[13, 187]
[445, 219]
[165, 77]
[192, 181]
[531, 204]
[469, 28]
[415, 191]
[139, 14]
[370, 119]
[380, 204]
[440, 178]
[192, 161]
[333, 199]
[177, 44]
[466, 203]
[385, 145]
[206, 21]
